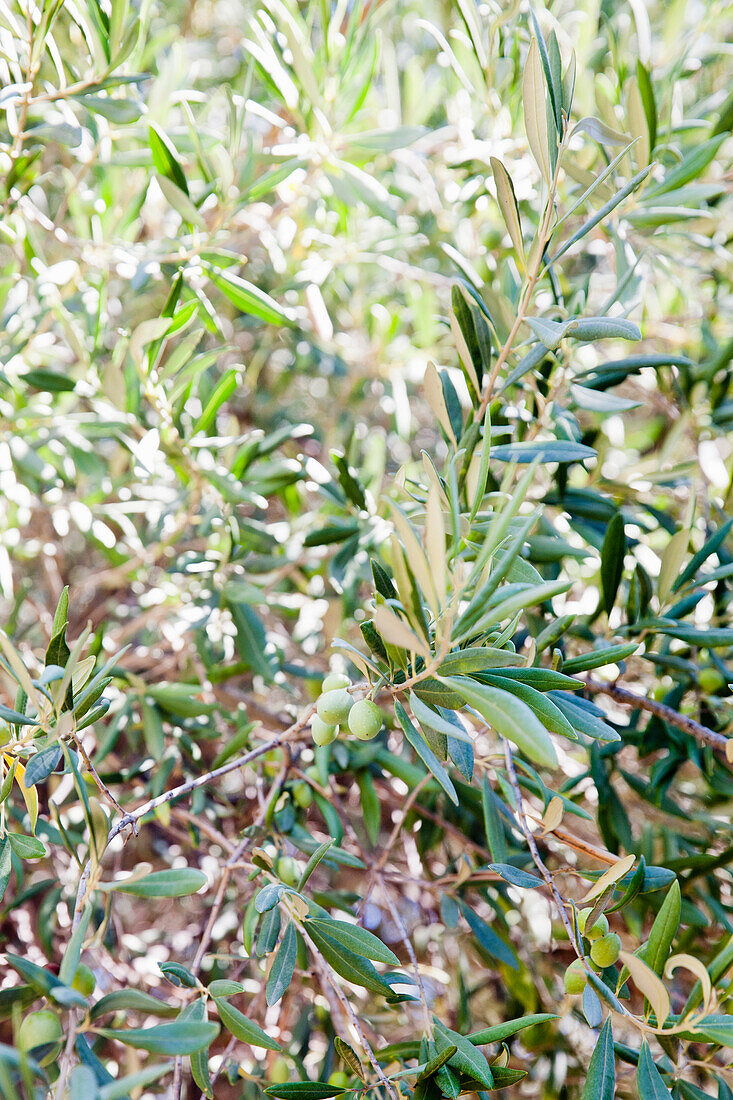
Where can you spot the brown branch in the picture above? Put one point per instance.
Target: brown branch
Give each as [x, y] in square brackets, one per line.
[539, 863]
[234, 858]
[94, 773]
[667, 714]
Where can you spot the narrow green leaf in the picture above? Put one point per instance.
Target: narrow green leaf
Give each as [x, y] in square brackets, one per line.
[178, 1038]
[27, 847]
[488, 939]
[604, 211]
[646, 90]
[120, 1089]
[72, 954]
[499, 1032]
[425, 753]
[354, 968]
[495, 836]
[315, 859]
[349, 1056]
[222, 392]
[355, 938]
[663, 931]
[242, 1028]
[131, 1000]
[176, 882]
[40, 766]
[612, 560]
[466, 1059]
[516, 876]
[248, 298]
[165, 158]
[549, 450]
[508, 716]
[609, 655]
[600, 1081]
[648, 1078]
[304, 1090]
[14, 716]
[283, 965]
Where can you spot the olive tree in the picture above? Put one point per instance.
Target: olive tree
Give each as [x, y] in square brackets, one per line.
[364, 721]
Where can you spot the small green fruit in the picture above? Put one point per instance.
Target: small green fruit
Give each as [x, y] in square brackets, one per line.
[599, 928]
[605, 951]
[333, 707]
[576, 978]
[279, 1073]
[287, 870]
[339, 1080]
[84, 981]
[710, 680]
[41, 1031]
[365, 719]
[302, 794]
[334, 681]
[322, 732]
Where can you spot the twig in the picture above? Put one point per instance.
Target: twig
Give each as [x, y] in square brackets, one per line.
[539, 863]
[534, 851]
[377, 872]
[525, 298]
[95, 774]
[661, 710]
[201, 780]
[234, 858]
[404, 936]
[346, 1006]
[377, 868]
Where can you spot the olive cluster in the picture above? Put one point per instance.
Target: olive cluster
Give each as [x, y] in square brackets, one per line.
[605, 948]
[335, 708]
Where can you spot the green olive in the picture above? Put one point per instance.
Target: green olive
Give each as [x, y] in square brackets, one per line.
[334, 681]
[302, 794]
[84, 980]
[333, 707]
[41, 1031]
[710, 680]
[365, 719]
[322, 732]
[605, 951]
[279, 1073]
[600, 926]
[288, 870]
[575, 978]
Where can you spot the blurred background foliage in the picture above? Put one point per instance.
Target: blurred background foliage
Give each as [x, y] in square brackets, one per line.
[232, 238]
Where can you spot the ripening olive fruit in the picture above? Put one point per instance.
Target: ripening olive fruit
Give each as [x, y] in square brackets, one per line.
[322, 732]
[84, 981]
[41, 1030]
[605, 951]
[287, 870]
[365, 719]
[575, 978]
[279, 1073]
[600, 926]
[334, 681]
[333, 707]
[339, 1080]
[302, 794]
[710, 680]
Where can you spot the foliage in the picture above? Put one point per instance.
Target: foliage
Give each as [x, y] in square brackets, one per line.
[364, 722]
